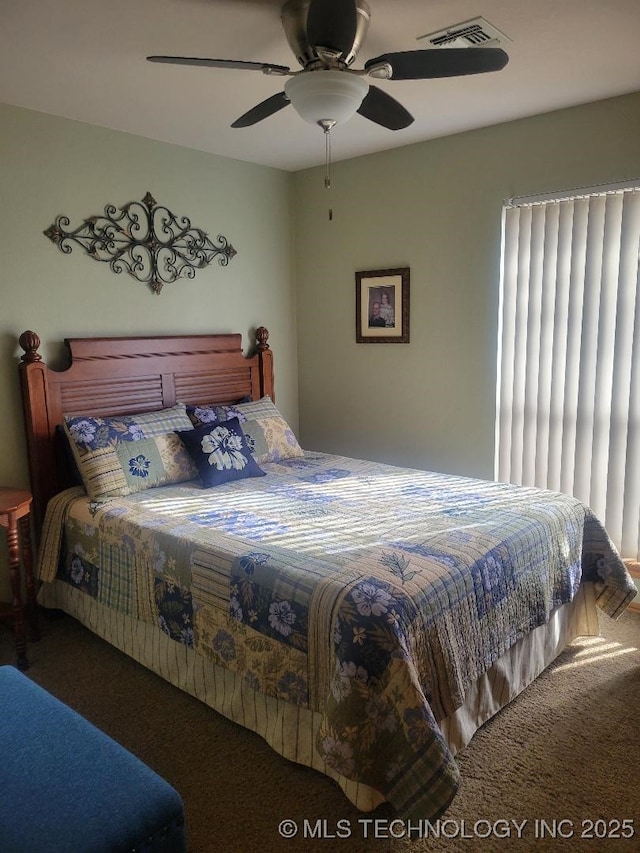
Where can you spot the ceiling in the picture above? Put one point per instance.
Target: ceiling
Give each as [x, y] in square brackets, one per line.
[86, 61]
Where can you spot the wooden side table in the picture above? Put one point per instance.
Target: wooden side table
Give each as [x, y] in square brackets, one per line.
[15, 512]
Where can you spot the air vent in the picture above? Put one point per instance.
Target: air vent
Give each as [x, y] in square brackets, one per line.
[474, 33]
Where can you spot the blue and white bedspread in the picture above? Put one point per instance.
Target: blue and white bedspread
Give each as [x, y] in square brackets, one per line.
[372, 594]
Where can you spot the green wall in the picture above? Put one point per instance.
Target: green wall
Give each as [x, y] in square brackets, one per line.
[51, 166]
[436, 208]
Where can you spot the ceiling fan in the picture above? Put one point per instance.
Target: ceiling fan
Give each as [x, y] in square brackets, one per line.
[325, 36]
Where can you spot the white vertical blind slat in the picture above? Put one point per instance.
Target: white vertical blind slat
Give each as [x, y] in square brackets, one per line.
[504, 404]
[520, 345]
[578, 253]
[532, 347]
[548, 303]
[603, 392]
[621, 403]
[558, 356]
[588, 363]
[627, 462]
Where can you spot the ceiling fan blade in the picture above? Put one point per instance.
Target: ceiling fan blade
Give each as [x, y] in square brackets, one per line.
[265, 67]
[381, 108]
[332, 24]
[262, 110]
[441, 62]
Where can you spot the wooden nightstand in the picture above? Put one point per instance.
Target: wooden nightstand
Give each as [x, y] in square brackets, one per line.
[15, 512]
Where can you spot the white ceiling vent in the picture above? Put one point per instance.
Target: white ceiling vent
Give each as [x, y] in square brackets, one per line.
[477, 32]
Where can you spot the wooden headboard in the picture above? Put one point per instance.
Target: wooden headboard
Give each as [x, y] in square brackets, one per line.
[117, 376]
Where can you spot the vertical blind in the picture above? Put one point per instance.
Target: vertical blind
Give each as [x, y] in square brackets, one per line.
[568, 394]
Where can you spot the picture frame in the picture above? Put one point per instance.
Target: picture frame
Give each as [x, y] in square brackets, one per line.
[382, 306]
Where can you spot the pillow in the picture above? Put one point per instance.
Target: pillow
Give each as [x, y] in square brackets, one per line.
[213, 413]
[130, 453]
[66, 462]
[221, 453]
[269, 436]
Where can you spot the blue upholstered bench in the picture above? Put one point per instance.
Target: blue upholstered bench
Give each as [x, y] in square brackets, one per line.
[65, 787]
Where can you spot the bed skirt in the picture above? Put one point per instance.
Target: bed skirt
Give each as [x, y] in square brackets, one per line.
[291, 730]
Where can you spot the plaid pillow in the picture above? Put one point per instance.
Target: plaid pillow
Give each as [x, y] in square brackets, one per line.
[130, 453]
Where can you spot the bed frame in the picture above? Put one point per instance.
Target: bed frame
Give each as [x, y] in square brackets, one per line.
[112, 376]
[108, 376]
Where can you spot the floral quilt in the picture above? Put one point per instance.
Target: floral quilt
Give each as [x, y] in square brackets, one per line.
[373, 594]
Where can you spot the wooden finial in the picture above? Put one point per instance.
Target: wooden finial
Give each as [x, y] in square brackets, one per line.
[30, 342]
[262, 336]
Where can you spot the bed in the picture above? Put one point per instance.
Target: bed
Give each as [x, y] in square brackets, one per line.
[364, 619]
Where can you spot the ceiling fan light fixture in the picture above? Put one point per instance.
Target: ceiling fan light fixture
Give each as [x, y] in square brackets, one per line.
[326, 95]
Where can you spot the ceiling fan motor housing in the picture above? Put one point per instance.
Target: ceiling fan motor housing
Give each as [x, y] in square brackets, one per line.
[294, 22]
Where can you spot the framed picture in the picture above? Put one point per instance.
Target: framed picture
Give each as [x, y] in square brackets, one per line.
[382, 306]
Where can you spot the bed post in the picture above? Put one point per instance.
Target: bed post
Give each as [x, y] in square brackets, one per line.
[33, 382]
[265, 360]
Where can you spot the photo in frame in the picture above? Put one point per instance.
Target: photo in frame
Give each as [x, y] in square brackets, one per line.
[382, 306]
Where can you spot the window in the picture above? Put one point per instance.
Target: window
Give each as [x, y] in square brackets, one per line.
[568, 395]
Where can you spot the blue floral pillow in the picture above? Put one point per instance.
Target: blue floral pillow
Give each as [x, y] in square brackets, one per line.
[130, 453]
[269, 436]
[221, 453]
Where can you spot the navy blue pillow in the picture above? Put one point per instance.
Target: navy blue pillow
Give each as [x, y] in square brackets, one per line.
[65, 460]
[221, 453]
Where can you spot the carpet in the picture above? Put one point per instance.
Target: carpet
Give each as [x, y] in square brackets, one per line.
[559, 769]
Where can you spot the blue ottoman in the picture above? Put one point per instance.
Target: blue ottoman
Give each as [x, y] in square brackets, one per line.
[65, 787]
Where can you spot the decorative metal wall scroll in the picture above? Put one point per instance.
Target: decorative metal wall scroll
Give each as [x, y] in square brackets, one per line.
[144, 239]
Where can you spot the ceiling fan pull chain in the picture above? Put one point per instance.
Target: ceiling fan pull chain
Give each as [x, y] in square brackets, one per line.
[327, 127]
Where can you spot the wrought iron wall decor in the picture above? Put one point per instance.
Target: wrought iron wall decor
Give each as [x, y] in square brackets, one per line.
[144, 239]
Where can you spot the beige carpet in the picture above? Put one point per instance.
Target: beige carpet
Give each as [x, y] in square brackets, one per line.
[567, 750]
